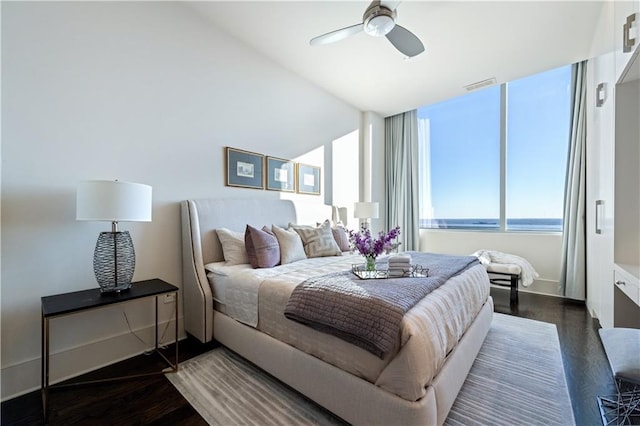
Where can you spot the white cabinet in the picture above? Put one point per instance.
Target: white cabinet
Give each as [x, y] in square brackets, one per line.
[627, 283]
[626, 248]
[627, 31]
[626, 298]
[613, 172]
[600, 188]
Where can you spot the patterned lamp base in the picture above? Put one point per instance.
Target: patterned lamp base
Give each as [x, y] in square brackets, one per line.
[114, 261]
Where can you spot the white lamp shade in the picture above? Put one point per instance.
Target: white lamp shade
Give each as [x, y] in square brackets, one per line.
[366, 210]
[113, 201]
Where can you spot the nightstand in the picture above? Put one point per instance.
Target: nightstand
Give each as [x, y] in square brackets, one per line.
[79, 301]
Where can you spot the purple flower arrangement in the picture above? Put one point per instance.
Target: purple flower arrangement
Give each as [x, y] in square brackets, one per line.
[371, 247]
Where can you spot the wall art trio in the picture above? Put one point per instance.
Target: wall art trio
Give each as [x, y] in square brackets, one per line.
[247, 169]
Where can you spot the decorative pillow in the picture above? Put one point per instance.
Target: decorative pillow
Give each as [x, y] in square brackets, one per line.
[263, 250]
[318, 242]
[291, 248]
[233, 247]
[341, 237]
[339, 234]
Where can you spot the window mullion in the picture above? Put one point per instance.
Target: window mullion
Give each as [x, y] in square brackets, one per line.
[503, 156]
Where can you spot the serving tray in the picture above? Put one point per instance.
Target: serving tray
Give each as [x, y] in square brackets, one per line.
[416, 271]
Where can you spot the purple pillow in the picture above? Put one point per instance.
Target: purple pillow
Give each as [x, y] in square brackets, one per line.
[262, 247]
[340, 235]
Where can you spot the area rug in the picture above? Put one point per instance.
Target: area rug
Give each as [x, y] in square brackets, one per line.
[517, 378]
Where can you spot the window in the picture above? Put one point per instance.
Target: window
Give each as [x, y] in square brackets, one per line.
[539, 117]
[460, 191]
[461, 141]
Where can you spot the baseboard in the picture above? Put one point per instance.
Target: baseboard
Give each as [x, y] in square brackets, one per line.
[542, 286]
[24, 377]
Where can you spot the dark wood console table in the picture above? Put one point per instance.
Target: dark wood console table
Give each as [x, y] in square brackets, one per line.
[71, 303]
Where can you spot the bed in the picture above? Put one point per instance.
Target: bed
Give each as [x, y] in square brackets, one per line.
[415, 384]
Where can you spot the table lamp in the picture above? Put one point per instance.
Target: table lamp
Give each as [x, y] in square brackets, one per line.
[114, 258]
[365, 211]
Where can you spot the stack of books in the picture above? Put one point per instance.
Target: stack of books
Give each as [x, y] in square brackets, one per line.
[399, 265]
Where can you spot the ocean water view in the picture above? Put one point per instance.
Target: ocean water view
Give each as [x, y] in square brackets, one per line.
[533, 224]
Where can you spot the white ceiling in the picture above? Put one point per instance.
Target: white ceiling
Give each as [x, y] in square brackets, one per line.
[465, 41]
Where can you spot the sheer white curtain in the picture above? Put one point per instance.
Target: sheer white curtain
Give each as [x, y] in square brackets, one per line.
[573, 276]
[401, 177]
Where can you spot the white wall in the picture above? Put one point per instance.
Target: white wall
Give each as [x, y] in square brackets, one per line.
[146, 92]
[542, 250]
[373, 171]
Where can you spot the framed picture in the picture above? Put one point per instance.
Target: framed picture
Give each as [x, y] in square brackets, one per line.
[244, 169]
[280, 174]
[308, 178]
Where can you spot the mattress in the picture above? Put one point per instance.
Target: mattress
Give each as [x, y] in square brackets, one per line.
[429, 331]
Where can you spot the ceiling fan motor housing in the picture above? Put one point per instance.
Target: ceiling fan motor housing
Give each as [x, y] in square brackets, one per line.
[378, 20]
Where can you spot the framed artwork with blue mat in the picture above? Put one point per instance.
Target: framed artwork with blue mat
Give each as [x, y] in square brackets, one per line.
[280, 174]
[308, 179]
[244, 169]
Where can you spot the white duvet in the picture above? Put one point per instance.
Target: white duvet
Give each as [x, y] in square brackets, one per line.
[237, 287]
[429, 330]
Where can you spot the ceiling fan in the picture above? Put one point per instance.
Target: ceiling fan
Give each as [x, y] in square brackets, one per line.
[379, 20]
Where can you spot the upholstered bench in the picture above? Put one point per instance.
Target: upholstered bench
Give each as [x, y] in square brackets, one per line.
[507, 270]
[506, 275]
[622, 346]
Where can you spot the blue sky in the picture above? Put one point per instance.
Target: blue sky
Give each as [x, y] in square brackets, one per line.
[465, 149]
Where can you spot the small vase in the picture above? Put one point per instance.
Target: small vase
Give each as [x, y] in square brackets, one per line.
[370, 263]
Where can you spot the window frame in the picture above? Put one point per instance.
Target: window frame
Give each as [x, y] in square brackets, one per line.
[502, 220]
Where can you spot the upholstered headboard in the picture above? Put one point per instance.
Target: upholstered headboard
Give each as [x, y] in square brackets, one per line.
[200, 244]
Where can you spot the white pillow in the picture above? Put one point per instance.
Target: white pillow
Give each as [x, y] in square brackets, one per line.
[291, 248]
[220, 276]
[233, 248]
[224, 270]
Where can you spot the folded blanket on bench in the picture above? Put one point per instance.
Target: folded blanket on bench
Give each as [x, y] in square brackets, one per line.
[529, 274]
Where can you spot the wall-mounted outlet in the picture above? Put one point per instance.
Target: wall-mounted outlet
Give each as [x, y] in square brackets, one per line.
[169, 298]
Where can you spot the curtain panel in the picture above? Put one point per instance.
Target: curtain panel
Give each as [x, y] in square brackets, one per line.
[573, 276]
[401, 177]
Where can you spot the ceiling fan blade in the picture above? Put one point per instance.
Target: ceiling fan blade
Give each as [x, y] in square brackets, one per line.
[336, 35]
[405, 41]
[389, 4]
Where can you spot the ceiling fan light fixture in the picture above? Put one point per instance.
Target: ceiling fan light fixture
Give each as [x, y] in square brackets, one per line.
[379, 25]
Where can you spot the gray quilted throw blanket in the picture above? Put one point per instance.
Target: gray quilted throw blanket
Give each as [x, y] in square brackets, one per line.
[368, 313]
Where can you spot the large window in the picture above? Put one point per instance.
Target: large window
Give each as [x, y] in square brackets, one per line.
[496, 158]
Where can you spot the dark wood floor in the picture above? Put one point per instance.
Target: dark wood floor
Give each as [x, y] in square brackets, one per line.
[154, 401]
